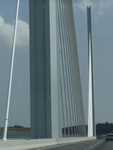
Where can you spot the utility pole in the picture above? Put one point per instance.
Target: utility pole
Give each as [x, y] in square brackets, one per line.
[11, 74]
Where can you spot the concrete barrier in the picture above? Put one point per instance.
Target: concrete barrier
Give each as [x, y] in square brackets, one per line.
[39, 143]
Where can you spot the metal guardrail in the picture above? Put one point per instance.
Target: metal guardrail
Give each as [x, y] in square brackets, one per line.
[16, 135]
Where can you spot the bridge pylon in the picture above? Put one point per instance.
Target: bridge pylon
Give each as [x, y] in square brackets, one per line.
[55, 86]
[91, 110]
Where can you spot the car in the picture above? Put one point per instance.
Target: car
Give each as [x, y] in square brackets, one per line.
[109, 137]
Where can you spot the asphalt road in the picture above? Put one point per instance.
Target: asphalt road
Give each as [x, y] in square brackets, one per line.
[107, 146]
[75, 146]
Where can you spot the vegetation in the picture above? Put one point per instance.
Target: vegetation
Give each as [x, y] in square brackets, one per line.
[16, 128]
[104, 128]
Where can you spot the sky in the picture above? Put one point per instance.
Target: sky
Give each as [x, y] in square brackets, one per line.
[102, 23]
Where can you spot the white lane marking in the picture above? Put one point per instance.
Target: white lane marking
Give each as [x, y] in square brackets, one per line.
[91, 147]
[47, 147]
[95, 145]
[50, 147]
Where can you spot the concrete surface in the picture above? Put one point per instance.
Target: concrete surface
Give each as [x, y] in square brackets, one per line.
[107, 146]
[40, 143]
[84, 145]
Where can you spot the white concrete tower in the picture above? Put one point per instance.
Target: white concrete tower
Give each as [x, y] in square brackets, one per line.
[55, 87]
[44, 78]
[91, 111]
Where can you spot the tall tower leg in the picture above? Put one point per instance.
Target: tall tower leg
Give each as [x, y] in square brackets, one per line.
[44, 79]
[91, 113]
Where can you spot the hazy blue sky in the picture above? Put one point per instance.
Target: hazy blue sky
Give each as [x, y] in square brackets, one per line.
[102, 23]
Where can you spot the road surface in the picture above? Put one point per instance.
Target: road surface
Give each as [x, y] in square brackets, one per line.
[90, 145]
[107, 146]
